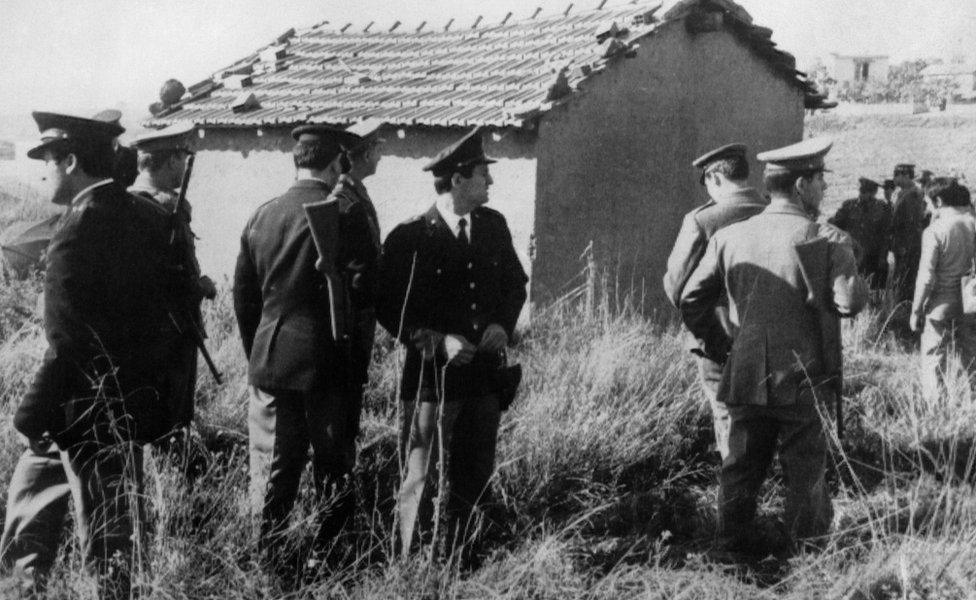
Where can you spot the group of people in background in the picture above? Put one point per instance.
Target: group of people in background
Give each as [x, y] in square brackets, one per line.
[761, 285]
[928, 229]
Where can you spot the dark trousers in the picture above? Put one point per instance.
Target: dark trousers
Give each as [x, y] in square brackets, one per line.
[282, 426]
[905, 272]
[874, 267]
[456, 439]
[756, 433]
[105, 484]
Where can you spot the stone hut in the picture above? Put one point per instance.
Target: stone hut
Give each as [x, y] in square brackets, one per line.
[595, 116]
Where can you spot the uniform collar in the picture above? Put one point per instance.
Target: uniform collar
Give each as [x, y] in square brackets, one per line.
[739, 195]
[452, 220]
[782, 207]
[312, 182]
[83, 194]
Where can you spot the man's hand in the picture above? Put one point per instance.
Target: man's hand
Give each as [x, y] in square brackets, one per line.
[915, 322]
[458, 349]
[494, 340]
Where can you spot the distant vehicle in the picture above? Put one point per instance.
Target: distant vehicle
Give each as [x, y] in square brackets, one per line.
[7, 151]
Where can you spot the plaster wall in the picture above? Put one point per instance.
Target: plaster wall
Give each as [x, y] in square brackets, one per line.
[237, 170]
[615, 164]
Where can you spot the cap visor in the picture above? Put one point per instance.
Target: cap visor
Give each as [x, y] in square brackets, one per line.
[37, 152]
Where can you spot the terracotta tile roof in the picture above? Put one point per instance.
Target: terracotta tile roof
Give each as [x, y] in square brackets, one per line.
[488, 75]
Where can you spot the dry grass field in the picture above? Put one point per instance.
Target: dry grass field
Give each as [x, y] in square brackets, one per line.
[605, 482]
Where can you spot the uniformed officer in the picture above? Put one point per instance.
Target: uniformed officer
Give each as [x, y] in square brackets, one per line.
[297, 373]
[124, 167]
[888, 190]
[95, 398]
[162, 158]
[774, 352]
[868, 220]
[451, 288]
[907, 223]
[361, 155]
[725, 174]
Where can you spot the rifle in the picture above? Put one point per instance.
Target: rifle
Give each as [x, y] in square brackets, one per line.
[323, 221]
[813, 256]
[191, 326]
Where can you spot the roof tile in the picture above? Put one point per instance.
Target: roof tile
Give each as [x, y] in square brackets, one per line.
[489, 75]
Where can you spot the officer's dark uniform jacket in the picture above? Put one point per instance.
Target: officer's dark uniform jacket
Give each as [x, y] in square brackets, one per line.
[354, 201]
[281, 301]
[182, 253]
[907, 221]
[456, 289]
[104, 324]
[868, 221]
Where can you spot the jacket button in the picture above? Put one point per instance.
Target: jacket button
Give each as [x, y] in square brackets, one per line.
[470, 265]
[438, 271]
[474, 306]
[475, 326]
[472, 285]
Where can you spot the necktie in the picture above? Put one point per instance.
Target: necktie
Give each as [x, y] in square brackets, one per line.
[462, 232]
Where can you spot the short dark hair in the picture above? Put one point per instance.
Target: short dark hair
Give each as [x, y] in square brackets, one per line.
[155, 160]
[313, 155]
[949, 191]
[442, 180]
[96, 157]
[733, 167]
[783, 181]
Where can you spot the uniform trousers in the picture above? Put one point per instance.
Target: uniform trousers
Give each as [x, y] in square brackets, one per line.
[181, 380]
[458, 438]
[756, 433]
[282, 426]
[905, 272]
[940, 339]
[709, 376]
[106, 486]
[874, 267]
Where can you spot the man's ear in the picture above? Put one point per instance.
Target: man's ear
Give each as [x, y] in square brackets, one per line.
[456, 179]
[71, 163]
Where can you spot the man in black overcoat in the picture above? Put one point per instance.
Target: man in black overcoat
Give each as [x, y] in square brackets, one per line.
[453, 275]
[95, 398]
[299, 378]
[361, 156]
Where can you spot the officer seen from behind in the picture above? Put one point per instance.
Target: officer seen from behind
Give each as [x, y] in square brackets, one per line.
[725, 175]
[867, 219]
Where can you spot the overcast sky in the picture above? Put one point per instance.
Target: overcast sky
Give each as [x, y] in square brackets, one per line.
[82, 55]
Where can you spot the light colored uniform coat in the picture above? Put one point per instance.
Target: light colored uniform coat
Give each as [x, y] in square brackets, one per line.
[697, 229]
[774, 336]
[773, 355]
